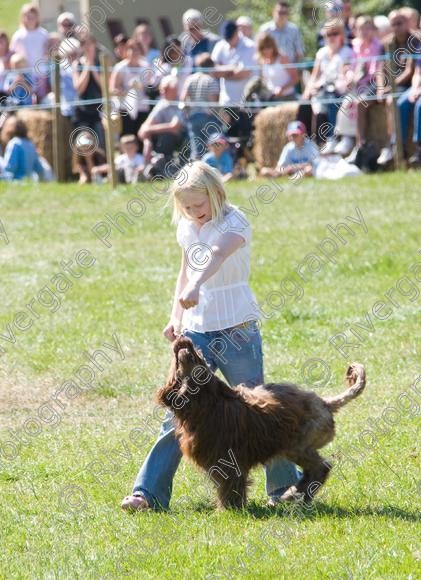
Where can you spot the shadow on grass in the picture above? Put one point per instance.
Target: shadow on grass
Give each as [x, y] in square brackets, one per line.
[319, 509]
[316, 511]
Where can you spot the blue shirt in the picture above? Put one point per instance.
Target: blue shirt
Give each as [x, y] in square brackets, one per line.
[21, 159]
[224, 164]
[292, 155]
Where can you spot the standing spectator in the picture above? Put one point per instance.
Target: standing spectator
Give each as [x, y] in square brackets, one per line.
[120, 46]
[234, 59]
[410, 101]
[21, 159]
[143, 35]
[278, 80]
[18, 83]
[413, 17]
[398, 44]
[87, 83]
[200, 87]
[245, 26]
[337, 11]
[174, 62]
[327, 80]
[125, 84]
[163, 130]
[195, 40]
[65, 24]
[30, 41]
[5, 54]
[287, 35]
[383, 28]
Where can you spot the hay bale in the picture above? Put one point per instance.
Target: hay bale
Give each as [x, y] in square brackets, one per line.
[40, 131]
[270, 132]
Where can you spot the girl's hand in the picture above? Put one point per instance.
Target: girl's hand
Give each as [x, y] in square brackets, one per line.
[169, 332]
[190, 296]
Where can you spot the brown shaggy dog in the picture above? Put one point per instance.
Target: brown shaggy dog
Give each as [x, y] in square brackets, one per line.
[252, 426]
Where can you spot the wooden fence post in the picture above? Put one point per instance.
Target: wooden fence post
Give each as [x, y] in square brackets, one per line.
[58, 158]
[109, 133]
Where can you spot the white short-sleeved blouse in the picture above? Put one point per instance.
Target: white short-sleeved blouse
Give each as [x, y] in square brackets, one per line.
[225, 299]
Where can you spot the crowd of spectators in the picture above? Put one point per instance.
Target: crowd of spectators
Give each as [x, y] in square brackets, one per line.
[179, 96]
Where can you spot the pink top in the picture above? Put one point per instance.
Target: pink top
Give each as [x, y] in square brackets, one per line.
[366, 68]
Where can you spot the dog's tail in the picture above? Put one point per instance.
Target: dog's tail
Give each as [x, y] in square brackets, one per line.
[355, 377]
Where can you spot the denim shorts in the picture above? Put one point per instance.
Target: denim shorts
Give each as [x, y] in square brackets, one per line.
[236, 352]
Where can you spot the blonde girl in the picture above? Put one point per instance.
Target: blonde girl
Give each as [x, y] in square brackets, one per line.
[213, 306]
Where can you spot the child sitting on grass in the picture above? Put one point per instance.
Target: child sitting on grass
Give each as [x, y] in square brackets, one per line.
[219, 156]
[300, 154]
[129, 164]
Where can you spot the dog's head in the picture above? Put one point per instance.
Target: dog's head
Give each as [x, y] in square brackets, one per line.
[188, 372]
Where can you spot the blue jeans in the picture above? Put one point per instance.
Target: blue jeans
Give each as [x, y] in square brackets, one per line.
[405, 110]
[237, 353]
[198, 140]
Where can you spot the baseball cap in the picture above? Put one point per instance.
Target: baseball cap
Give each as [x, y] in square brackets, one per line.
[296, 128]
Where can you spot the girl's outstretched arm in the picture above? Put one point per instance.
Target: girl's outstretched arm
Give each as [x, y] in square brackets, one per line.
[174, 324]
[227, 244]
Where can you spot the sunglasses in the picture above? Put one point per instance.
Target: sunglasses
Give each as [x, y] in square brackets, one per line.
[333, 34]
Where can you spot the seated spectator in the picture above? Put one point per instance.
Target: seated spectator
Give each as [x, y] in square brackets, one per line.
[408, 102]
[120, 46]
[200, 87]
[402, 69]
[219, 156]
[143, 35]
[300, 155]
[276, 81]
[65, 23]
[5, 54]
[126, 85]
[87, 158]
[163, 130]
[21, 159]
[245, 26]
[328, 79]
[367, 49]
[286, 34]
[87, 82]
[337, 11]
[30, 41]
[19, 85]
[234, 59]
[195, 40]
[130, 164]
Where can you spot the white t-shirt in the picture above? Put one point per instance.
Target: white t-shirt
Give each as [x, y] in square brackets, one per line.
[32, 44]
[225, 299]
[129, 166]
[243, 55]
[331, 66]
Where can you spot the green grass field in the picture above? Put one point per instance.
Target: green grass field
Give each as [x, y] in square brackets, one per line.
[59, 521]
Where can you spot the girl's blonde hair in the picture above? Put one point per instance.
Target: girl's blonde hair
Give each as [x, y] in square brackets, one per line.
[198, 177]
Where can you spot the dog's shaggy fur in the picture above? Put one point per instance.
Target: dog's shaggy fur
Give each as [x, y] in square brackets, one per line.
[255, 424]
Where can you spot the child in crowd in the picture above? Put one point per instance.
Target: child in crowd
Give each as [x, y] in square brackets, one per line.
[18, 83]
[219, 156]
[21, 159]
[30, 41]
[299, 155]
[209, 306]
[129, 164]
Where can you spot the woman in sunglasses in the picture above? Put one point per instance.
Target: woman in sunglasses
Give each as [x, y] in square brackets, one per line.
[328, 80]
